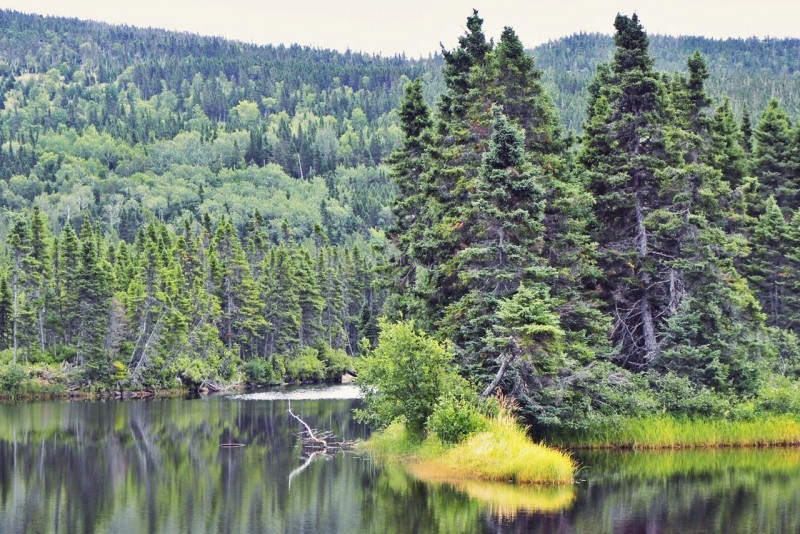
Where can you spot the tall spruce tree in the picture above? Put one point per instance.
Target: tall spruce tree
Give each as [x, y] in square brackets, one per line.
[725, 152]
[772, 158]
[625, 147]
[772, 267]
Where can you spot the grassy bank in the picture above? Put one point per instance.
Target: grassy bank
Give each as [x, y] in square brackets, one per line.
[502, 452]
[668, 432]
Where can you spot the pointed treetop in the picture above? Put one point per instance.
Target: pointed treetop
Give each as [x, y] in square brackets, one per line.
[473, 42]
[415, 116]
[632, 43]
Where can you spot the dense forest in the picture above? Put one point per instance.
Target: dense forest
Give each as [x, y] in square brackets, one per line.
[593, 239]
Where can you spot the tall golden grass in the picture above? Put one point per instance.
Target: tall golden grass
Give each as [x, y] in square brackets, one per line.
[668, 432]
[503, 452]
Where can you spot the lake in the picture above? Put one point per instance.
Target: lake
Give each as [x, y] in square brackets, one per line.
[166, 465]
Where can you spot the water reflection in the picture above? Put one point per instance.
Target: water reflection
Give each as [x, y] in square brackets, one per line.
[157, 466]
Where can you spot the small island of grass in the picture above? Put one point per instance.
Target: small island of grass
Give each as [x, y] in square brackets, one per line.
[501, 452]
[431, 420]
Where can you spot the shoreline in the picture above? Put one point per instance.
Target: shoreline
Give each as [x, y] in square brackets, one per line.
[667, 432]
[142, 394]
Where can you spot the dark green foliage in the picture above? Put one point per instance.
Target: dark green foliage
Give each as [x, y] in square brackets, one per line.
[625, 147]
[772, 158]
[772, 267]
[725, 152]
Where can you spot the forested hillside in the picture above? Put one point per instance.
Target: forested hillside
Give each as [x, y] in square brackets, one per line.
[185, 210]
[748, 71]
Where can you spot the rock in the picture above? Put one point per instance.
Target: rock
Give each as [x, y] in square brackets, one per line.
[347, 378]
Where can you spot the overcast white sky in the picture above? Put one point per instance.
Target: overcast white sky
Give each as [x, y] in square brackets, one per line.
[416, 27]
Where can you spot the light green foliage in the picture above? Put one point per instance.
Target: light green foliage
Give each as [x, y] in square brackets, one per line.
[454, 418]
[13, 379]
[404, 376]
[780, 394]
[305, 366]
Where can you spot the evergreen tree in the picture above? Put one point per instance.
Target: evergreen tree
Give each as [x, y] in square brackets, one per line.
[625, 147]
[6, 315]
[237, 292]
[310, 299]
[772, 267]
[280, 294]
[93, 293]
[772, 157]
[725, 152]
[523, 97]
[415, 202]
[746, 131]
[38, 271]
[505, 219]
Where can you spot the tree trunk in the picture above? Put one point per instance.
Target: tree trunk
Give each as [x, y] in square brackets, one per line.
[507, 360]
[647, 323]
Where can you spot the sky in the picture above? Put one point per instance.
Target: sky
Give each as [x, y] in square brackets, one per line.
[416, 27]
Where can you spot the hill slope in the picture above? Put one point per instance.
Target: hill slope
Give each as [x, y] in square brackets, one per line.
[749, 71]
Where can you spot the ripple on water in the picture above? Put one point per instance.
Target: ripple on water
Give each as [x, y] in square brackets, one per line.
[304, 393]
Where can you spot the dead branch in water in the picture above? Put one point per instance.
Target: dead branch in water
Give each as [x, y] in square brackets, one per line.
[320, 441]
[316, 443]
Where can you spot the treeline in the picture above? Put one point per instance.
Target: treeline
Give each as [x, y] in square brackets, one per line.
[652, 267]
[200, 305]
[748, 71]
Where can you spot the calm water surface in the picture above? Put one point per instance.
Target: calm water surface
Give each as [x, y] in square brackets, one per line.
[157, 466]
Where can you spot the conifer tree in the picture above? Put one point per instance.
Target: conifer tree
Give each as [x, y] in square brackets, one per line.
[625, 147]
[772, 267]
[6, 314]
[310, 299]
[772, 158]
[94, 298]
[237, 292]
[504, 219]
[69, 263]
[725, 152]
[415, 201]
[746, 131]
[38, 271]
[280, 295]
[524, 100]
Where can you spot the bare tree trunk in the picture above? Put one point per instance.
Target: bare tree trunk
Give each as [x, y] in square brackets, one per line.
[508, 359]
[16, 312]
[41, 330]
[648, 325]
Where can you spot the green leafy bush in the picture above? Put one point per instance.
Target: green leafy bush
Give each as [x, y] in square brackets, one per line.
[13, 379]
[260, 371]
[454, 418]
[780, 395]
[337, 362]
[404, 376]
[679, 396]
[305, 366]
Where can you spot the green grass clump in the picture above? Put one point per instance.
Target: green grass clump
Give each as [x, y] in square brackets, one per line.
[669, 432]
[502, 452]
